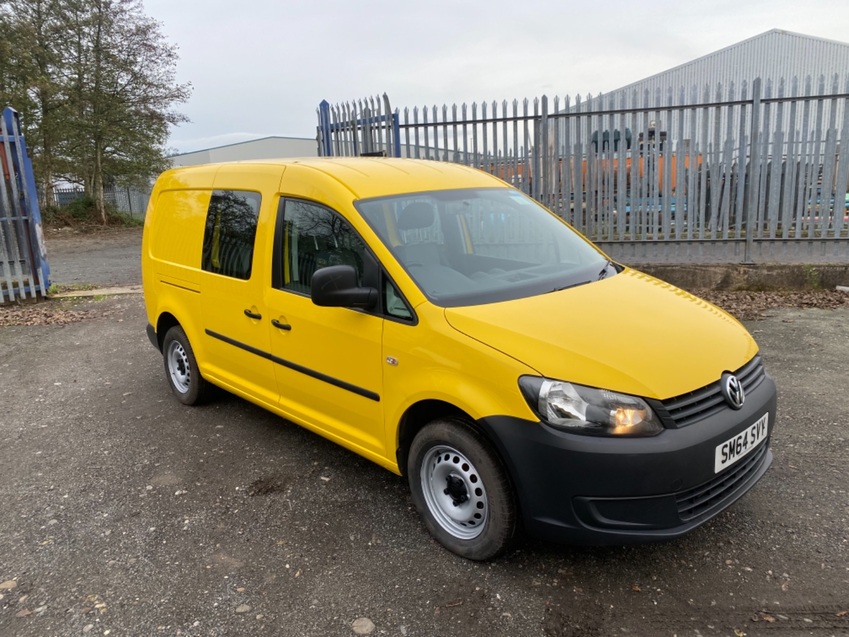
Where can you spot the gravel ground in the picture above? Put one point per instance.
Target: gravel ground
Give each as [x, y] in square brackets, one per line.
[125, 513]
[100, 257]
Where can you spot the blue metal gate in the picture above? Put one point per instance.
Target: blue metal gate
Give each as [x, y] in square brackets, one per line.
[364, 128]
[24, 272]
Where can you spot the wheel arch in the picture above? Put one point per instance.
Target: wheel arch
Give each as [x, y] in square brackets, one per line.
[416, 417]
[164, 323]
[423, 412]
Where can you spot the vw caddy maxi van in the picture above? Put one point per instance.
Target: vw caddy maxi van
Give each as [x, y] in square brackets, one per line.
[440, 323]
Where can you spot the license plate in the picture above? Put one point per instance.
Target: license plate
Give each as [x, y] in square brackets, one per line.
[738, 447]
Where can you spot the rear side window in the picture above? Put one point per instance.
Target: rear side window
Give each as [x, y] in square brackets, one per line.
[228, 240]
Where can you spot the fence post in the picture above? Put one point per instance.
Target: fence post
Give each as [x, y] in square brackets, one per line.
[535, 158]
[753, 174]
[324, 147]
[396, 133]
[542, 154]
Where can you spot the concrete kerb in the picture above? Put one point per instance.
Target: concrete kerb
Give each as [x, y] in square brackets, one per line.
[127, 289]
[773, 277]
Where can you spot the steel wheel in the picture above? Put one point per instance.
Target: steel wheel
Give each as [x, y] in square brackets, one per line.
[454, 492]
[179, 370]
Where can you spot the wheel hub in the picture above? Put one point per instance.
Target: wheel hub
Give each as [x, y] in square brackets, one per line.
[456, 490]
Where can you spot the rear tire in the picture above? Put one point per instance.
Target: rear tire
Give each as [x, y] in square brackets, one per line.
[181, 369]
[461, 490]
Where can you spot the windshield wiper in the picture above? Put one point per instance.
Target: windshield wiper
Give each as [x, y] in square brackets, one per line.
[566, 287]
[601, 275]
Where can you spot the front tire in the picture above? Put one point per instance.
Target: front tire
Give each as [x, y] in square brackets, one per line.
[461, 490]
[181, 369]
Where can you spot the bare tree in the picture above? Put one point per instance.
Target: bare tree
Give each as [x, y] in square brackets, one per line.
[29, 71]
[100, 89]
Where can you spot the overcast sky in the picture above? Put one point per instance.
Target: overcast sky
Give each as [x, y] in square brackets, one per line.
[261, 67]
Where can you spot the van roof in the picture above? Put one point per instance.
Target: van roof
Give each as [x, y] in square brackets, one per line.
[369, 177]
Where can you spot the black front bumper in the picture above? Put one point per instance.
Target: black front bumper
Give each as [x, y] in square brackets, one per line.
[601, 490]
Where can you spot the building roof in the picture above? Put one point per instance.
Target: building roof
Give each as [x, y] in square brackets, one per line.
[247, 142]
[261, 148]
[773, 55]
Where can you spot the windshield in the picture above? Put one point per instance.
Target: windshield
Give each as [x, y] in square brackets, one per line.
[467, 247]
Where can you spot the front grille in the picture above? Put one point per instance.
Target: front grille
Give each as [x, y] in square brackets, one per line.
[702, 499]
[688, 408]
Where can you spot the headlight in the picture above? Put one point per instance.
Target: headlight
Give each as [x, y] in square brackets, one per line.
[585, 410]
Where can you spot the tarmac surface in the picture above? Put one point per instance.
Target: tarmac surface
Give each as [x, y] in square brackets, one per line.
[123, 512]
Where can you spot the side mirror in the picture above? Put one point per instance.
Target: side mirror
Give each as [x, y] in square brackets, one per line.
[336, 286]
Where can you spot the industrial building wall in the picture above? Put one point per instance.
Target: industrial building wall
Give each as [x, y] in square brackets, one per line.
[265, 148]
[789, 65]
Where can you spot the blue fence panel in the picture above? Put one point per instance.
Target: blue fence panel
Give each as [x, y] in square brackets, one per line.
[24, 270]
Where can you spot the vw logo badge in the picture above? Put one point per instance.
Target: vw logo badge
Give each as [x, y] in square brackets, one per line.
[732, 390]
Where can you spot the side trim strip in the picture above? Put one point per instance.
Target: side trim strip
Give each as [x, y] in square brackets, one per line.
[341, 384]
[181, 287]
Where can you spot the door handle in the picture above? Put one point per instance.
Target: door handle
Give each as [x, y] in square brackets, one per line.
[252, 315]
[281, 326]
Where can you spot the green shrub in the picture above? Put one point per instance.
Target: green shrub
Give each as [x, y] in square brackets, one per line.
[83, 209]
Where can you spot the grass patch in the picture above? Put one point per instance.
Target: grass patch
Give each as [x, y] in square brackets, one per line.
[64, 288]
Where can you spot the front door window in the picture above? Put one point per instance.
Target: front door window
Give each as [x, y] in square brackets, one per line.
[316, 237]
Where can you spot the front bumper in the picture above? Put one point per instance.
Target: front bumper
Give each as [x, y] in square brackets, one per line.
[602, 490]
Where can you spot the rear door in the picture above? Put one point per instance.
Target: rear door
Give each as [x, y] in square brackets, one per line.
[235, 273]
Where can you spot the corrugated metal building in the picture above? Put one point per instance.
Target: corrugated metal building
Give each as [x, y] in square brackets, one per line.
[790, 65]
[264, 148]
[773, 55]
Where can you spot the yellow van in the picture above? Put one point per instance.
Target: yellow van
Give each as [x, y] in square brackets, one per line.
[431, 318]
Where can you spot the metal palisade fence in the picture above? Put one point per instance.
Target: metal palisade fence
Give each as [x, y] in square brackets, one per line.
[129, 200]
[736, 174]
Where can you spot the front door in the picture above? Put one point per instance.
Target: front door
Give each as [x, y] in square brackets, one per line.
[327, 360]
